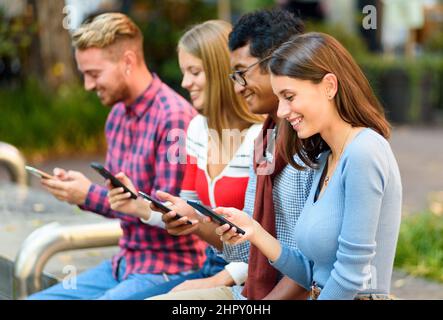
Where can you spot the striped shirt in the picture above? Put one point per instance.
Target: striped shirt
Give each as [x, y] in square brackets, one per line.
[139, 145]
[228, 188]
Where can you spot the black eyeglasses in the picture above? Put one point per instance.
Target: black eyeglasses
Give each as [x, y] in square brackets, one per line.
[239, 75]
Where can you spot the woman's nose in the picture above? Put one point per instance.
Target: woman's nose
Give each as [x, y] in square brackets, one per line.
[283, 110]
[186, 82]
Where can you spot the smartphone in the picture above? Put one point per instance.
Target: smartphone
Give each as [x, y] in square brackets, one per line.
[160, 206]
[208, 212]
[39, 173]
[114, 181]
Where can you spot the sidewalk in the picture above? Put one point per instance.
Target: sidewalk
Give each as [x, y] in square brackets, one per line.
[419, 153]
[419, 158]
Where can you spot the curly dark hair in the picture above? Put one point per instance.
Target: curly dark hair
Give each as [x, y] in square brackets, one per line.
[264, 30]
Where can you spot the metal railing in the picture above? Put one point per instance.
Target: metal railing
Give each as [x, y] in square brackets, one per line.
[14, 162]
[50, 239]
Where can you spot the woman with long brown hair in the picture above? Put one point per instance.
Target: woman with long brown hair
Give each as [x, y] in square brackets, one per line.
[348, 229]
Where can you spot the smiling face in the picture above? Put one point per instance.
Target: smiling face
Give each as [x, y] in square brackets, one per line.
[103, 75]
[304, 104]
[194, 78]
[257, 91]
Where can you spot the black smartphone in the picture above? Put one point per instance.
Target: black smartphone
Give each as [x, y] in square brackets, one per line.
[208, 212]
[114, 181]
[160, 206]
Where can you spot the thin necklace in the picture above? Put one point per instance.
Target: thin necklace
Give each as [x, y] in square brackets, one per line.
[327, 178]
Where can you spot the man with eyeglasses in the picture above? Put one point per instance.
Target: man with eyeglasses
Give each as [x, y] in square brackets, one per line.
[252, 81]
[251, 43]
[238, 75]
[275, 198]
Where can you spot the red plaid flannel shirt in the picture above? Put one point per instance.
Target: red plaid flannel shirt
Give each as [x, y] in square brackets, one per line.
[138, 146]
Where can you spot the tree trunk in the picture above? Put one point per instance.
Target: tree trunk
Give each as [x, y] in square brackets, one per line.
[55, 44]
[224, 10]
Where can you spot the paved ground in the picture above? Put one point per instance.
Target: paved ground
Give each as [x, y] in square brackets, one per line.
[418, 150]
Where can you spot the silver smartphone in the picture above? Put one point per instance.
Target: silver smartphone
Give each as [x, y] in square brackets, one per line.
[39, 173]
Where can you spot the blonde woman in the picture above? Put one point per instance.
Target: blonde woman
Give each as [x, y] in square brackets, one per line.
[218, 144]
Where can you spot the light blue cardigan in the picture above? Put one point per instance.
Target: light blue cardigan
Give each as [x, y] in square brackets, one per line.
[347, 238]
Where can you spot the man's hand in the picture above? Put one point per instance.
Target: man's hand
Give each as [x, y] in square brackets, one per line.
[70, 186]
[121, 201]
[223, 278]
[60, 173]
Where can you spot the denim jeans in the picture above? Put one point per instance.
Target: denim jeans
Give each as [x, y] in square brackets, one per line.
[98, 283]
[212, 266]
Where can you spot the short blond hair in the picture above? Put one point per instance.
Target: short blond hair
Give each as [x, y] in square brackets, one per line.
[106, 30]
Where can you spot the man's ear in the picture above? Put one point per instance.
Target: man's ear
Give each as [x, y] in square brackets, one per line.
[129, 61]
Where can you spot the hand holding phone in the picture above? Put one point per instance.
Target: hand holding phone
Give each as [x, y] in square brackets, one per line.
[162, 208]
[114, 181]
[39, 173]
[214, 216]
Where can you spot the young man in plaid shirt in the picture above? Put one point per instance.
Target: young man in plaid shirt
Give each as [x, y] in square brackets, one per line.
[109, 53]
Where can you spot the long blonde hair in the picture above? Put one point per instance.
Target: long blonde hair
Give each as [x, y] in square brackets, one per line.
[208, 41]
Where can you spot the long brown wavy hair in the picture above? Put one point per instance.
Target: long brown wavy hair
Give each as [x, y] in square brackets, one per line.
[311, 56]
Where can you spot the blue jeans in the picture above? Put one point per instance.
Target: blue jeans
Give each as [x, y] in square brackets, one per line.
[212, 266]
[98, 283]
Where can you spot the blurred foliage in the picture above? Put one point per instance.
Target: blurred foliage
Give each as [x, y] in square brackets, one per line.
[435, 43]
[162, 23]
[15, 35]
[251, 5]
[41, 123]
[352, 42]
[70, 120]
[420, 246]
[412, 87]
[411, 90]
